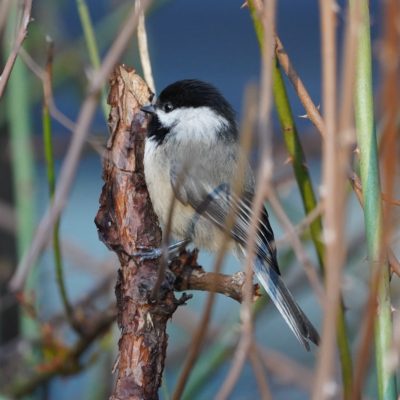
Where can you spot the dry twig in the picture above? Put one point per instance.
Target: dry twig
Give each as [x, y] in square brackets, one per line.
[144, 51]
[262, 188]
[301, 91]
[259, 373]
[298, 248]
[190, 276]
[26, 17]
[286, 370]
[334, 176]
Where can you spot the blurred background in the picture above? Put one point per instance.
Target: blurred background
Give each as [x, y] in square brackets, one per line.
[207, 40]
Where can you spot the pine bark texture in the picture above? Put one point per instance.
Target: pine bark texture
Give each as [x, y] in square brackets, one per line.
[127, 223]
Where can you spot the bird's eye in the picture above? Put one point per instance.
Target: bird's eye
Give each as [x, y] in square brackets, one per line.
[168, 107]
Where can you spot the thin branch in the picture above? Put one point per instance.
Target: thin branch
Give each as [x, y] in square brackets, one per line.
[191, 276]
[258, 369]
[144, 53]
[301, 91]
[22, 32]
[346, 139]
[286, 370]
[267, 16]
[302, 226]
[239, 358]
[246, 337]
[53, 109]
[388, 199]
[297, 245]
[92, 47]
[334, 199]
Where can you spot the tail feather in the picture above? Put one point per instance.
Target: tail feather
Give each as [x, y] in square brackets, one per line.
[285, 303]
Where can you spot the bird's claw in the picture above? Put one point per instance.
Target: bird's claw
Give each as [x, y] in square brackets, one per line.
[154, 253]
[147, 253]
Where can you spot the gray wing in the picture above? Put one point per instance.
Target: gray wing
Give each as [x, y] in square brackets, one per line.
[216, 200]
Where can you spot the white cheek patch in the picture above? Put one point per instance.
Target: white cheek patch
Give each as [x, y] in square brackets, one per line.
[200, 123]
[167, 119]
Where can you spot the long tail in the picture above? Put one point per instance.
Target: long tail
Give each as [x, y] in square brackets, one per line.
[285, 303]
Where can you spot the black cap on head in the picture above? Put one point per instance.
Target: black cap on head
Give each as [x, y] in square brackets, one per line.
[195, 93]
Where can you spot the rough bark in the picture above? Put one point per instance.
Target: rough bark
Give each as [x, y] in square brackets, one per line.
[126, 223]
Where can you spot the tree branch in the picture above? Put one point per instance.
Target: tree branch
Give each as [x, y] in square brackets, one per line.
[191, 276]
[126, 222]
[26, 17]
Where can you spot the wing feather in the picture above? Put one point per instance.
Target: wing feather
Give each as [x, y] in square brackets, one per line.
[214, 204]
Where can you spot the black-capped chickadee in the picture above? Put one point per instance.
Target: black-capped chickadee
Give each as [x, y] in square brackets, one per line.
[192, 127]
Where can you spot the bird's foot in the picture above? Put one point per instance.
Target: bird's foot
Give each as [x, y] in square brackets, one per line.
[154, 253]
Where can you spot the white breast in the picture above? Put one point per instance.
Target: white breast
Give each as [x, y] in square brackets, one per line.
[157, 174]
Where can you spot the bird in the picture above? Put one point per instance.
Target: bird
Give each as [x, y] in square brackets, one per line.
[191, 157]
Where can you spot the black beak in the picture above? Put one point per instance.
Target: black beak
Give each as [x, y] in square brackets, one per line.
[149, 109]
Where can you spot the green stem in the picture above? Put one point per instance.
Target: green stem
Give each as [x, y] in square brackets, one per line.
[369, 171]
[22, 162]
[304, 183]
[92, 47]
[17, 102]
[18, 114]
[297, 157]
[48, 147]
